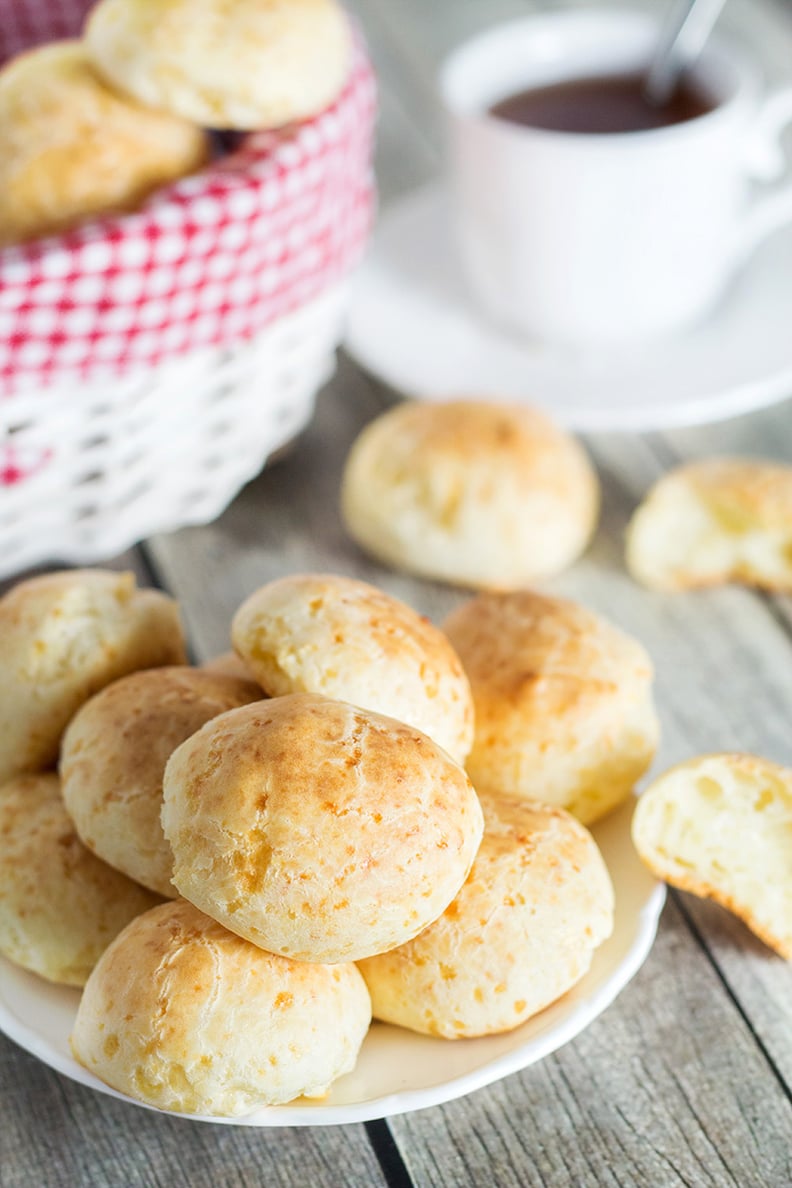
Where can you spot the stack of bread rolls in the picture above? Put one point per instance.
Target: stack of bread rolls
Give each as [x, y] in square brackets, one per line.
[93, 126]
[242, 862]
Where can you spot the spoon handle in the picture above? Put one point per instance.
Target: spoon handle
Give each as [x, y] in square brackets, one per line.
[681, 41]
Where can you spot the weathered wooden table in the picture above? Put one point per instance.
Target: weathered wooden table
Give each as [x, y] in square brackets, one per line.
[687, 1078]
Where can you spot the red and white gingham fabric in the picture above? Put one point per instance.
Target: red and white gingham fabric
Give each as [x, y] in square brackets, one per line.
[210, 260]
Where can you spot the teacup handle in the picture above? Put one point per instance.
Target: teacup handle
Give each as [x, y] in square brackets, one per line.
[767, 162]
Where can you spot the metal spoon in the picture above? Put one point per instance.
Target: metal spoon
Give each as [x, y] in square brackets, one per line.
[682, 39]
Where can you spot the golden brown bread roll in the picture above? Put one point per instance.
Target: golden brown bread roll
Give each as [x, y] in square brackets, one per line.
[318, 830]
[717, 520]
[63, 637]
[186, 1016]
[113, 759]
[59, 905]
[250, 64]
[478, 494]
[521, 932]
[720, 826]
[322, 633]
[563, 701]
[72, 148]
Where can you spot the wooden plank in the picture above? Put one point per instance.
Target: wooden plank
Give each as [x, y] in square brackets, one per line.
[57, 1134]
[666, 1088]
[724, 682]
[740, 703]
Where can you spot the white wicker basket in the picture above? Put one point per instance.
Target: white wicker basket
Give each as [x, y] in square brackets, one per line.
[156, 451]
[150, 363]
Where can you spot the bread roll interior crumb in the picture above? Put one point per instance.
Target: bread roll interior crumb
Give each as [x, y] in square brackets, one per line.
[720, 826]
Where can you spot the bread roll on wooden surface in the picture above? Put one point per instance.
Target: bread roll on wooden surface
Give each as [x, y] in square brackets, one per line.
[477, 494]
[720, 826]
[712, 521]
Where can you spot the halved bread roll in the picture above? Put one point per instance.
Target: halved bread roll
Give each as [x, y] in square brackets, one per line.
[249, 64]
[323, 633]
[63, 637]
[60, 906]
[186, 1016]
[720, 826]
[521, 932]
[718, 520]
[72, 148]
[488, 495]
[563, 701]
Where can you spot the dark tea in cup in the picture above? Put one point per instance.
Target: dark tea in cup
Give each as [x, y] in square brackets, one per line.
[604, 104]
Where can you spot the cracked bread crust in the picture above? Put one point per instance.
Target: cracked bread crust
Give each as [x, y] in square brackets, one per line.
[186, 1016]
[520, 933]
[563, 701]
[323, 633]
[318, 830]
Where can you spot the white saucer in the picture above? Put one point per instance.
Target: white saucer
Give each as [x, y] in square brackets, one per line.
[413, 325]
[399, 1070]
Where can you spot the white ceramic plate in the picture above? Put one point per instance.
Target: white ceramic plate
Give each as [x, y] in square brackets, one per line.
[413, 325]
[397, 1070]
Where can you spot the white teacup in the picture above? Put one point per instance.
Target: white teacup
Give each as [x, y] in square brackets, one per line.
[591, 237]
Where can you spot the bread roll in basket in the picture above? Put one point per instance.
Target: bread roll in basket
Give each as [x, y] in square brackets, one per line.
[150, 362]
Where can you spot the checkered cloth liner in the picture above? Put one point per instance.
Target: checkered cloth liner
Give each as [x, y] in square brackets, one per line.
[208, 261]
